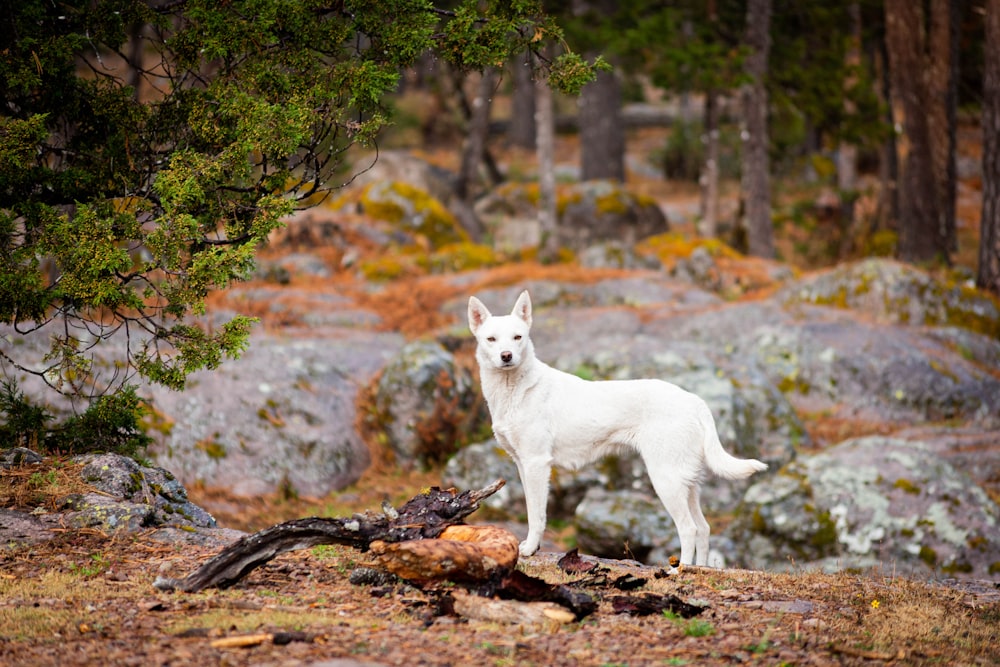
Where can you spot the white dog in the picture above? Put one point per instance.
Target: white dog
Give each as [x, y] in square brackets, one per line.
[543, 416]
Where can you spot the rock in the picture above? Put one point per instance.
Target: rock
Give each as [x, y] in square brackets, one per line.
[410, 211]
[615, 255]
[132, 497]
[590, 213]
[898, 293]
[280, 417]
[439, 183]
[18, 527]
[605, 210]
[699, 268]
[617, 524]
[866, 502]
[18, 456]
[128, 497]
[871, 372]
[478, 464]
[426, 404]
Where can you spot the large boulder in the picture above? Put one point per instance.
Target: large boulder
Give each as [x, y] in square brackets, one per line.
[633, 524]
[867, 502]
[426, 404]
[282, 417]
[898, 293]
[589, 213]
[478, 464]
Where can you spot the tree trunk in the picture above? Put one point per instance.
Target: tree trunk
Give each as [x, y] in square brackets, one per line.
[920, 232]
[756, 165]
[547, 214]
[847, 153]
[942, 82]
[988, 276]
[709, 180]
[521, 130]
[887, 211]
[602, 133]
[474, 149]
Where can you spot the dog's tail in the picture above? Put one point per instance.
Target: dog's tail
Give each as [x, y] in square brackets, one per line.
[721, 462]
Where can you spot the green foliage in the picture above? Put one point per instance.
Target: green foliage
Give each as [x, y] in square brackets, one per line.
[24, 423]
[110, 424]
[148, 149]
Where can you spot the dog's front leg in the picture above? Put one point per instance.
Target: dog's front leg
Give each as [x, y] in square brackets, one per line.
[535, 474]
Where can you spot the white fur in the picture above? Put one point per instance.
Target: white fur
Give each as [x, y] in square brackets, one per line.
[543, 416]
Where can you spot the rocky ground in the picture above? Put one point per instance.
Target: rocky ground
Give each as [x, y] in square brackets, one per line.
[86, 597]
[873, 390]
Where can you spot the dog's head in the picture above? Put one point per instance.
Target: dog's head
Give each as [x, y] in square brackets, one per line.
[503, 341]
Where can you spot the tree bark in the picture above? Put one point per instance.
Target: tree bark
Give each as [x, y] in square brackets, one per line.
[602, 133]
[756, 179]
[942, 83]
[988, 275]
[474, 149]
[521, 130]
[847, 153]
[887, 213]
[547, 215]
[708, 227]
[920, 231]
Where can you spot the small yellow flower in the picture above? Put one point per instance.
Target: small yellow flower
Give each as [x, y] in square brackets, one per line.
[874, 604]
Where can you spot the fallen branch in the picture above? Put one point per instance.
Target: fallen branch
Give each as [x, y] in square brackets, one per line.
[424, 516]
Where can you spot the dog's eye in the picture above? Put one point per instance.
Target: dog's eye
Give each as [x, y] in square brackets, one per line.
[517, 337]
[492, 339]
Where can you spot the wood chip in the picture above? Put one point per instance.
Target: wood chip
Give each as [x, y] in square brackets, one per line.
[241, 641]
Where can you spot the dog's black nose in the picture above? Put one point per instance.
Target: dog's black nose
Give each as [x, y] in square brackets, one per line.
[506, 357]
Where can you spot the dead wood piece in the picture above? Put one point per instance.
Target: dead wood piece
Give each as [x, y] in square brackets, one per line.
[460, 553]
[573, 563]
[241, 641]
[517, 585]
[635, 605]
[510, 612]
[421, 517]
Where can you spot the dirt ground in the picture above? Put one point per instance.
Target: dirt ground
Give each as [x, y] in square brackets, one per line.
[88, 599]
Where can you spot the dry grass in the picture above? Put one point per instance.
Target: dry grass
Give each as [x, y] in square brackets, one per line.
[87, 598]
[42, 485]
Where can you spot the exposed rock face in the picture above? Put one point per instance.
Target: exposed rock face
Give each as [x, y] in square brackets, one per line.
[589, 213]
[604, 210]
[897, 293]
[282, 416]
[871, 501]
[628, 524]
[426, 403]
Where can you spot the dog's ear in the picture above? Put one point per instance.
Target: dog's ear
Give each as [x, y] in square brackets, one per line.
[477, 313]
[522, 308]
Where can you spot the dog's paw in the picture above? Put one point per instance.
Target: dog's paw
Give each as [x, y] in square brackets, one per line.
[527, 548]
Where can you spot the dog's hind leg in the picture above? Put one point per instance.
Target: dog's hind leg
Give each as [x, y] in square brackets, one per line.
[702, 529]
[675, 494]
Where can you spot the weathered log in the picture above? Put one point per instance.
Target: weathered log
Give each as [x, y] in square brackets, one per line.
[460, 553]
[511, 612]
[424, 516]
